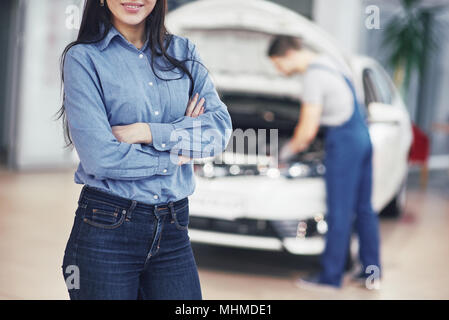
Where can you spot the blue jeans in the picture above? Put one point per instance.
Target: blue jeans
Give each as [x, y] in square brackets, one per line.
[124, 249]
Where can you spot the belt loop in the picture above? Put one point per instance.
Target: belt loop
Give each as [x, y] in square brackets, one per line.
[172, 210]
[131, 208]
[155, 213]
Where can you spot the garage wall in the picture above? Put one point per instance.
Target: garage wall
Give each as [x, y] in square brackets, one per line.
[39, 140]
[305, 7]
[7, 11]
[436, 96]
[342, 19]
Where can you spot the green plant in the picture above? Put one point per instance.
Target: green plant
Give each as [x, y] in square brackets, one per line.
[408, 37]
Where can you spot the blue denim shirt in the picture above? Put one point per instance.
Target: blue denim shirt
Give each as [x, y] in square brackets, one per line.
[110, 83]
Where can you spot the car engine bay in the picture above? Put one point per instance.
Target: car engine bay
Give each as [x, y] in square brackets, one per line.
[250, 113]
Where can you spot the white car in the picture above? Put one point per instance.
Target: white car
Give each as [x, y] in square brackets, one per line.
[241, 200]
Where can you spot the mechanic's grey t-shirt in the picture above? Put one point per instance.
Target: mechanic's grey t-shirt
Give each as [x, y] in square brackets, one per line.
[329, 90]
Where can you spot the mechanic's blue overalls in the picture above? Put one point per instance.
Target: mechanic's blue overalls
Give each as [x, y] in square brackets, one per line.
[348, 161]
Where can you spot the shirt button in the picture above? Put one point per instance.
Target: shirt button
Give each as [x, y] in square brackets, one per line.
[156, 113]
[141, 56]
[123, 211]
[150, 83]
[156, 196]
[163, 145]
[164, 171]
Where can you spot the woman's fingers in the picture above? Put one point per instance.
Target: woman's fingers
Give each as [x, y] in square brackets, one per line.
[196, 111]
[191, 105]
[195, 108]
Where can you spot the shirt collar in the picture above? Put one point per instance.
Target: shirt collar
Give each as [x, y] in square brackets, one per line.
[113, 32]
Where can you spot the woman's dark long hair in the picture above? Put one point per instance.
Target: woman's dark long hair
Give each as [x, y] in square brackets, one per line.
[90, 32]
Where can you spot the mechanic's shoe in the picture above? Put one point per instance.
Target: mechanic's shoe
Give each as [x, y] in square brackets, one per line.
[359, 277]
[313, 282]
[366, 280]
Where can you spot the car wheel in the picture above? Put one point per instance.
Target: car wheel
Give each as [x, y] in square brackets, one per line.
[396, 206]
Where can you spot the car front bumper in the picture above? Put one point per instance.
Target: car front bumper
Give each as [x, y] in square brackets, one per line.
[259, 213]
[256, 197]
[293, 245]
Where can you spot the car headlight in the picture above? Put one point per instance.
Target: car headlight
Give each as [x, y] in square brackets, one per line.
[299, 170]
[321, 227]
[234, 169]
[305, 169]
[208, 170]
[295, 170]
[320, 169]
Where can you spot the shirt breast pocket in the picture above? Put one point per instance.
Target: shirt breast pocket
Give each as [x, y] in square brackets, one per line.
[179, 93]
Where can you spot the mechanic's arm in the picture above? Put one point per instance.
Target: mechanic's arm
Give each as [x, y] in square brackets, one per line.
[307, 127]
[196, 137]
[314, 91]
[100, 153]
[305, 130]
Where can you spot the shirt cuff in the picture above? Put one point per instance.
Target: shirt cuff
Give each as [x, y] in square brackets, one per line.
[168, 163]
[161, 133]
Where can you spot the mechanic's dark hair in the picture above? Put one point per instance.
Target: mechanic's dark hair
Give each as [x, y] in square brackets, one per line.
[280, 44]
[159, 41]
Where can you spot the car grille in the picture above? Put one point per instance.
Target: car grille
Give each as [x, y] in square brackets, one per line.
[263, 228]
[238, 226]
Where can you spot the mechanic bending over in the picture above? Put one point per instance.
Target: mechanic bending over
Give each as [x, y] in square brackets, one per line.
[329, 99]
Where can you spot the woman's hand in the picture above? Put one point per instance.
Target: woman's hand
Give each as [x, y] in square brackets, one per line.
[193, 109]
[138, 132]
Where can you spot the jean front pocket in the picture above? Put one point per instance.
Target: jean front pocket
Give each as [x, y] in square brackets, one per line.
[181, 217]
[103, 215]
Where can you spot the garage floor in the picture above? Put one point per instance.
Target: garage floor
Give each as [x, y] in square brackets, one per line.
[36, 212]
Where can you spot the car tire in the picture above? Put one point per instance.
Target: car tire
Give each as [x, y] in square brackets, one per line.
[395, 207]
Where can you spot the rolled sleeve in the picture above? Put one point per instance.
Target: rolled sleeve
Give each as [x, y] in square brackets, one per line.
[162, 133]
[205, 135]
